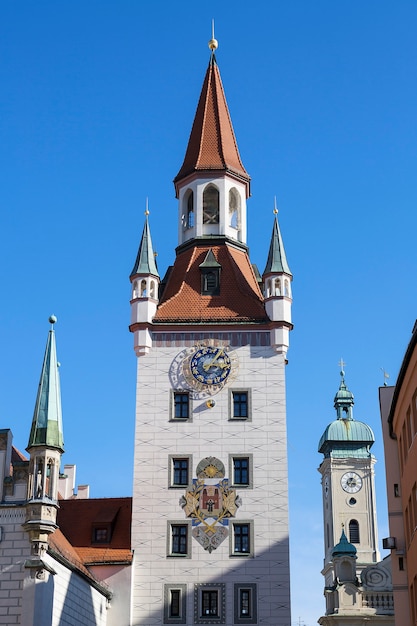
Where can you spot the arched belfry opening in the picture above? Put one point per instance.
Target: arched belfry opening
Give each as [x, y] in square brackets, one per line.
[211, 204]
[234, 208]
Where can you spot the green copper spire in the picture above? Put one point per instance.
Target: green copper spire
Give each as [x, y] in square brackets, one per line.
[277, 261]
[346, 437]
[47, 418]
[145, 260]
[343, 400]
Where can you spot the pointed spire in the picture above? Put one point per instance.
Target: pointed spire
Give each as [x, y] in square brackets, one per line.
[343, 400]
[47, 418]
[145, 261]
[212, 144]
[277, 260]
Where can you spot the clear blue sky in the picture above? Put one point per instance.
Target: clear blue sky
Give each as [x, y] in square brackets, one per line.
[97, 101]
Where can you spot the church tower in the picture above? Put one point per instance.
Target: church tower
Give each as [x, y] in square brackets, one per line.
[358, 585]
[210, 498]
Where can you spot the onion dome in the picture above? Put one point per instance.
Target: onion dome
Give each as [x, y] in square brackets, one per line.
[344, 548]
[345, 436]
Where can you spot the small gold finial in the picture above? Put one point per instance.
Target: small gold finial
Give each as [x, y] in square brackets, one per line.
[213, 44]
[275, 206]
[147, 209]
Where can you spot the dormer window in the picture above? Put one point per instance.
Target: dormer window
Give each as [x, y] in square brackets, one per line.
[101, 535]
[211, 205]
[210, 275]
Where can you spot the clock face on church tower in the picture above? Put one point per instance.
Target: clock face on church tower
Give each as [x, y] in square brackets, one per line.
[351, 482]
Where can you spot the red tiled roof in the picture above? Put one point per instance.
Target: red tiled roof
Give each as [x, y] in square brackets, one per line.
[212, 144]
[60, 544]
[240, 298]
[77, 518]
[18, 456]
[92, 556]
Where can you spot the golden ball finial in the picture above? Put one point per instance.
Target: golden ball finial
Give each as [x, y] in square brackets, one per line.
[213, 44]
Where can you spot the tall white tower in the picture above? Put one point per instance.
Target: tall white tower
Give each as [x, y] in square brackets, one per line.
[358, 586]
[210, 500]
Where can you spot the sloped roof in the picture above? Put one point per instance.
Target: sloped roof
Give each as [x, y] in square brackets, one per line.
[212, 144]
[77, 518]
[47, 417]
[240, 298]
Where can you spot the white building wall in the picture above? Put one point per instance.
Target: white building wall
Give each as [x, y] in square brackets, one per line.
[75, 601]
[14, 550]
[119, 579]
[211, 433]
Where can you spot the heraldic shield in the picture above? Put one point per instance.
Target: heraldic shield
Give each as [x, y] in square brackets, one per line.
[210, 502]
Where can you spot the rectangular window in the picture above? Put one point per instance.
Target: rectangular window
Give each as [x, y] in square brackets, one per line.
[181, 405]
[241, 540]
[175, 604]
[180, 471]
[240, 404]
[179, 539]
[245, 604]
[210, 603]
[101, 535]
[241, 470]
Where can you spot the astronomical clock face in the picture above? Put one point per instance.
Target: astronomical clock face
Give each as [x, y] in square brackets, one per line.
[205, 368]
[351, 482]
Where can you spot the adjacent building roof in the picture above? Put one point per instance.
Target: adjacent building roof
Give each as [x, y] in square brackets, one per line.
[240, 298]
[47, 418]
[212, 144]
[78, 520]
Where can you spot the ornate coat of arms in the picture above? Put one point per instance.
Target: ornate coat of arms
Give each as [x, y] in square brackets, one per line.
[210, 502]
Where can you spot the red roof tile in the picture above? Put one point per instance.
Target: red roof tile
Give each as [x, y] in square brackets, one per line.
[78, 518]
[240, 298]
[18, 456]
[212, 144]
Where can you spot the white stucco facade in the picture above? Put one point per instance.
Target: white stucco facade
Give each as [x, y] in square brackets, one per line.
[211, 432]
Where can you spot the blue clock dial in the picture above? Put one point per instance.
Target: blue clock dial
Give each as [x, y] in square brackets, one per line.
[210, 366]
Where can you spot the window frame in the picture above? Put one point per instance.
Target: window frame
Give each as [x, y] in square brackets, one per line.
[171, 470]
[170, 539]
[184, 393]
[354, 532]
[201, 588]
[232, 474]
[252, 618]
[240, 418]
[182, 617]
[232, 539]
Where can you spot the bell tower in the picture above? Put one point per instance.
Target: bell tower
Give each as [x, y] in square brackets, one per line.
[348, 484]
[210, 495]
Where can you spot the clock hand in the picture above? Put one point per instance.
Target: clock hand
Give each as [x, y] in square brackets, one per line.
[206, 366]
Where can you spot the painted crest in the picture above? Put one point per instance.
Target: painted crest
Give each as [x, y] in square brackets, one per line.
[210, 502]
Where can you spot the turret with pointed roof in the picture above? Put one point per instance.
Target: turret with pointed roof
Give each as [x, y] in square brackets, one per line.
[47, 417]
[277, 279]
[45, 447]
[145, 286]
